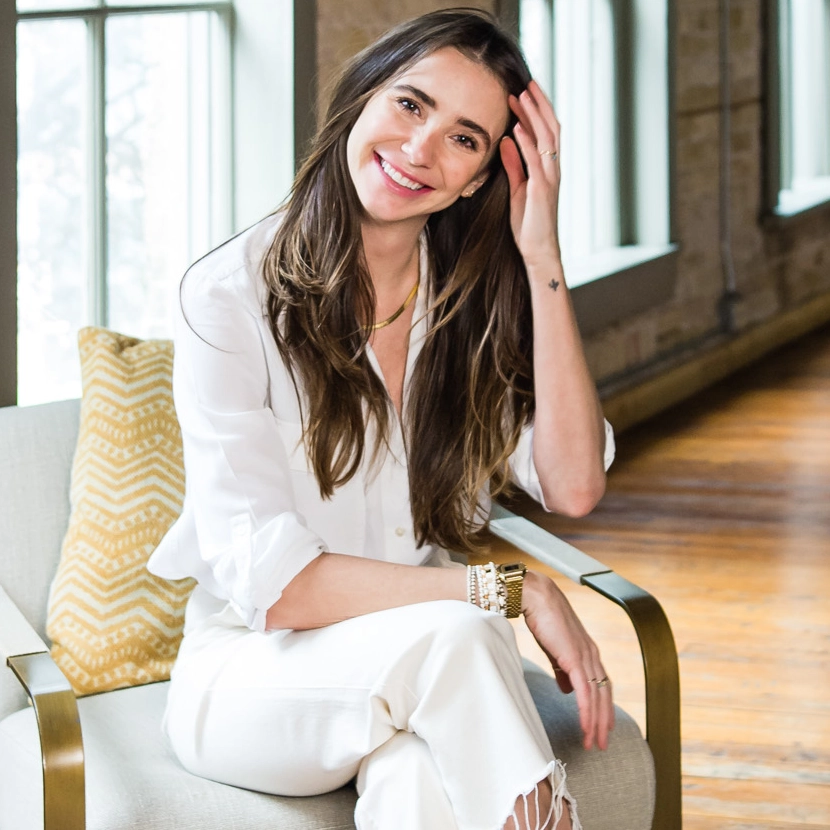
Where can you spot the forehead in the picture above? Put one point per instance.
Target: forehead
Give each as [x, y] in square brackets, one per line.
[460, 87]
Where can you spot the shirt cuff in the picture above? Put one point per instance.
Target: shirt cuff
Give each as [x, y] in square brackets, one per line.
[264, 562]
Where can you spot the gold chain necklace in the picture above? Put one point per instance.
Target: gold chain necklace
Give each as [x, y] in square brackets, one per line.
[389, 320]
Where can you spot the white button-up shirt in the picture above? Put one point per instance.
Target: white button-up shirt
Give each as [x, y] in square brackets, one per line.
[253, 517]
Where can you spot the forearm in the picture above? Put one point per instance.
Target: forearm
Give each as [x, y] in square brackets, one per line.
[569, 429]
[335, 587]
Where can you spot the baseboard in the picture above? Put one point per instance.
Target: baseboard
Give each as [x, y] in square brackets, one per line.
[635, 404]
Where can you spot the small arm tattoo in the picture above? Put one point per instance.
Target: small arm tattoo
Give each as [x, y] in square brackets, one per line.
[554, 284]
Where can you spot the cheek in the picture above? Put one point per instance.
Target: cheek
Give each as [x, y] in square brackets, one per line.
[354, 149]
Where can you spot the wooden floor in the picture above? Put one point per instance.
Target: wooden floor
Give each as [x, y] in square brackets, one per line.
[721, 509]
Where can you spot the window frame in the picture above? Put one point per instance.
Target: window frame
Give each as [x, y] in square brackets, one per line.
[776, 110]
[8, 204]
[643, 276]
[263, 152]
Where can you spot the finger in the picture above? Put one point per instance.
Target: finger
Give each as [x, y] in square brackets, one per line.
[544, 110]
[544, 104]
[586, 703]
[528, 147]
[545, 129]
[606, 715]
[519, 111]
[512, 162]
[604, 706]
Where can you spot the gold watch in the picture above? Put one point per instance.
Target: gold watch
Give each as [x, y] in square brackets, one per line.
[512, 578]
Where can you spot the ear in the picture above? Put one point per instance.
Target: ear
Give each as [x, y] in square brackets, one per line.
[474, 185]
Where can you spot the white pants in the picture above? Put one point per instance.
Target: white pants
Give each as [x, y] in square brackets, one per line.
[426, 705]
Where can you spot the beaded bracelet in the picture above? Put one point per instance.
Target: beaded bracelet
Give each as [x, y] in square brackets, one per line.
[471, 585]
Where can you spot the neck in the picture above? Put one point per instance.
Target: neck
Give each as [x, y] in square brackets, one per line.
[392, 256]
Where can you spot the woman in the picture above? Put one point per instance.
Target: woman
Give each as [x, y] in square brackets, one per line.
[354, 377]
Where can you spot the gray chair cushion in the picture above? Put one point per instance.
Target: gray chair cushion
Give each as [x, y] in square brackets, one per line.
[134, 781]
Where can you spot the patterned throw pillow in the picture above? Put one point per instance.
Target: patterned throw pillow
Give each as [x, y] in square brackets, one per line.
[112, 623]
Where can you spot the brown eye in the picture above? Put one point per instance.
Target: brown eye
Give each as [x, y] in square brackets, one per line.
[409, 105]
[467, 142]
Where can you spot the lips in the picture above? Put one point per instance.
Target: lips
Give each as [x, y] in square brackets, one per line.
[399, 178]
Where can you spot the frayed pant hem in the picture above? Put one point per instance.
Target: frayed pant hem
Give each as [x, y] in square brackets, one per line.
[560, 797]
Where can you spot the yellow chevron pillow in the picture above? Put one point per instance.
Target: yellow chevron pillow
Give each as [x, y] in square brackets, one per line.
[112, 623]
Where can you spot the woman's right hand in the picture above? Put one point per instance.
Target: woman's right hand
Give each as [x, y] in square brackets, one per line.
[573, 654]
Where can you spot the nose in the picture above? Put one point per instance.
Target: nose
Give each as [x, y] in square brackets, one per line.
[420, 146]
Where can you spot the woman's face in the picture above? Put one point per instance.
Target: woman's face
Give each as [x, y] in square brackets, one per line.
[426, 138]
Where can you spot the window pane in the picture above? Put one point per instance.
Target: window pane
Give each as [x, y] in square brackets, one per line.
[810, 92]
[158, 162]
[54, 5]
[139, 3]
[52, 266]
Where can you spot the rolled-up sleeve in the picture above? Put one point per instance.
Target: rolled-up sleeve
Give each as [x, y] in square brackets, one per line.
[524, 470]
[238, 486]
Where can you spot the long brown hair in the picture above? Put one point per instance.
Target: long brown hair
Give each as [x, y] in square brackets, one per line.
[471, 391]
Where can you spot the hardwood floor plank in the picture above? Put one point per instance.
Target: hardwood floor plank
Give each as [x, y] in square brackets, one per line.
[756, 800]
[759, 763]
[693, 822]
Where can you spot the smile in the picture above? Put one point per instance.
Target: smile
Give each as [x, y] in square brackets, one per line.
[399, 177]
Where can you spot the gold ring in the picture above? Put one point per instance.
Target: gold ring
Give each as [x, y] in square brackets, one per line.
[604, 682]
[552, 153]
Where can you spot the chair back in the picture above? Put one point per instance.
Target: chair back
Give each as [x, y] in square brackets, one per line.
[37, 444]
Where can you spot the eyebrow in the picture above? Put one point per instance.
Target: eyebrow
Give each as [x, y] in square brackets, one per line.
[464, 122]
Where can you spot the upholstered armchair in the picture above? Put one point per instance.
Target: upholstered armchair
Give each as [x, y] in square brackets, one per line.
[100, 761]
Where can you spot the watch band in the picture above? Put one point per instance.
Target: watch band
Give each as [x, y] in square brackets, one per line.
[512, 578]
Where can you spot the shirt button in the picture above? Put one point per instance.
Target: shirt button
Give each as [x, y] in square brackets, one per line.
[399, 531]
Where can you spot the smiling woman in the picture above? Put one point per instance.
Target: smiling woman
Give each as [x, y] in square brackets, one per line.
[356, 376]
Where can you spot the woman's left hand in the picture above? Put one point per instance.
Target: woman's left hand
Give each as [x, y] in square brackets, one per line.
[534, 196]
[574, 656]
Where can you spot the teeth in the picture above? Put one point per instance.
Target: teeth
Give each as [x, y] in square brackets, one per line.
[399, 177]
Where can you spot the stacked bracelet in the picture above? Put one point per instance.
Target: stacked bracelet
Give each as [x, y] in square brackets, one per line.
[497, 589]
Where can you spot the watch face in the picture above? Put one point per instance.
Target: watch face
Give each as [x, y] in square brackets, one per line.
[514, 569]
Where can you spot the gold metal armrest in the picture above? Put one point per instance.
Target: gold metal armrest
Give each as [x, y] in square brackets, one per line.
[56, 711]
[662, 677]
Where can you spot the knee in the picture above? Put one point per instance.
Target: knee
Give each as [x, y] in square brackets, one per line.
[462, 630]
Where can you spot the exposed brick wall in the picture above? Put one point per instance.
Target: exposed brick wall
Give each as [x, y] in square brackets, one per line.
[344, 27]
[777, 265]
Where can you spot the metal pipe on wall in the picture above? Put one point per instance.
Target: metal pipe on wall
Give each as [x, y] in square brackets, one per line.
[730, 294]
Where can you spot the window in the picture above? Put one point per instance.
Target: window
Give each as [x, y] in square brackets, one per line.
[801, 80]
[147, 132]
[123, 171]
[605, 65]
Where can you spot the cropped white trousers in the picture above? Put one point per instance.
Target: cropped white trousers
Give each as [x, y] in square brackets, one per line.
[425, 705]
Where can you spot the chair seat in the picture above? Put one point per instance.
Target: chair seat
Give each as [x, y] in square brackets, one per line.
[134, 781]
